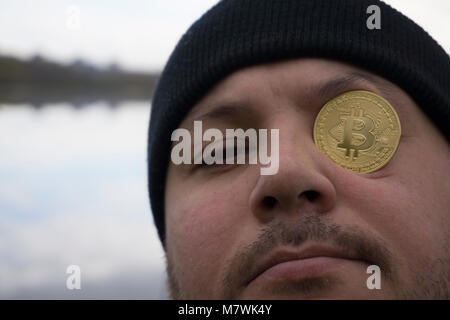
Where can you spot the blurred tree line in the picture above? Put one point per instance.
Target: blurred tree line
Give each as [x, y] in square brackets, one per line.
[39, 81]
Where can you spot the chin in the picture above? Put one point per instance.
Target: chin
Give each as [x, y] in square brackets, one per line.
[314, 289]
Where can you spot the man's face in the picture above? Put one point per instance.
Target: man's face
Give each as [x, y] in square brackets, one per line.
[312, 229]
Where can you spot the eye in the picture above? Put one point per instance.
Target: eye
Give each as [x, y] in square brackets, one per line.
[229, 157]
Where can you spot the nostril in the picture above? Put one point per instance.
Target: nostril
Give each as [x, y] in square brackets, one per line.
[269, 202]
[311, 195]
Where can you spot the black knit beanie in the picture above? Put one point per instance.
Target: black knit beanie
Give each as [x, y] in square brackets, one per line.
[238, 33]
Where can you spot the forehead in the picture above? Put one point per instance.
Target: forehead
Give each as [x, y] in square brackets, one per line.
[305, 80]
[282, 76]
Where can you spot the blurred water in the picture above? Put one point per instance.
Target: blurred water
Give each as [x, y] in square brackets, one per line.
[73, 191]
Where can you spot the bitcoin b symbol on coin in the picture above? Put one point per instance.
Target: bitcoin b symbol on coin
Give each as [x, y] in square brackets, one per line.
[357, 128]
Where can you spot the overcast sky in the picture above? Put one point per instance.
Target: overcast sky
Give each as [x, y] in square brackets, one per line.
[138, 34]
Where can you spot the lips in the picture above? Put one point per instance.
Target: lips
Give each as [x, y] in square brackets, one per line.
[306, 258]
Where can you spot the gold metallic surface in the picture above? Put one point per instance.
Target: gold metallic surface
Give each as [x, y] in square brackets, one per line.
[358, 130]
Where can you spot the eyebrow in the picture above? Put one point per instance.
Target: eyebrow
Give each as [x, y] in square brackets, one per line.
[226, 110]
[222, 111]
[326, 90]
[341, 83]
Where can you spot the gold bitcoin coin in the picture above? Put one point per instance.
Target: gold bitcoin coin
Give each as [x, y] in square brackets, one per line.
[358, 130]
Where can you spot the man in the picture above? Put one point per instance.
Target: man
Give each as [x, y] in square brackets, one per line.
[314, 229]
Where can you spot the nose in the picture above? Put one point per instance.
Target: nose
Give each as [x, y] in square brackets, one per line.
[300, 186]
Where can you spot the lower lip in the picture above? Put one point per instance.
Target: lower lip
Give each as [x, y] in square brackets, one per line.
[296, 270]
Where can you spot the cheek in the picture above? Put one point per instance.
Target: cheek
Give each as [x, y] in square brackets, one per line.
[416, 191]
[202, 228]
[408, 204]
[401, 211]
[394, 207]
[203, 218]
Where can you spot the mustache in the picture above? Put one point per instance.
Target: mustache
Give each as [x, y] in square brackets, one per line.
[356, 243]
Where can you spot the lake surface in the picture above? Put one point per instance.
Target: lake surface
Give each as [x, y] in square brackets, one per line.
[73, 191]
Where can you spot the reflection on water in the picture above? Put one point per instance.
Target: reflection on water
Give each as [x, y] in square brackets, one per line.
[73, 191]
[78, 95]
[39, 81]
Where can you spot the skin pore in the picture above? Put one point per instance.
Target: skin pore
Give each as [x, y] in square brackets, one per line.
[225, 223]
